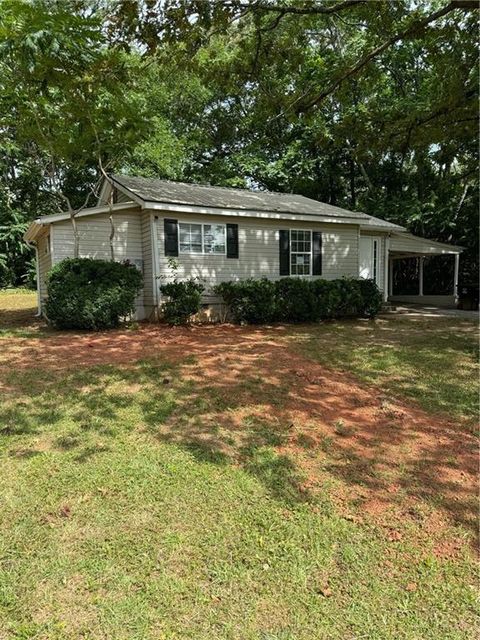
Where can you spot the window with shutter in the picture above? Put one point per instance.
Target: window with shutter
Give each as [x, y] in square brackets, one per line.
[171, 237]
[232, 240]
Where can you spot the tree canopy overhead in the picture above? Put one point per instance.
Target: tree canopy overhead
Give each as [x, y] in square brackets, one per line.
[368, 105]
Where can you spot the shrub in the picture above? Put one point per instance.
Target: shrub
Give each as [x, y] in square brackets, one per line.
[296, 300]
[84, 293]
[251, 301]
[371, 298]
[300, 300]
[183, 300]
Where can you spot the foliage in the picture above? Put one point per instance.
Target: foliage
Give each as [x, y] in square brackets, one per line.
[183, 302]
[251, 301]
[85, 293]
[228, 93]
[300, 300]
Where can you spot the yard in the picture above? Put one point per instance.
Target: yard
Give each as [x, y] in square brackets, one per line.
[277, 483]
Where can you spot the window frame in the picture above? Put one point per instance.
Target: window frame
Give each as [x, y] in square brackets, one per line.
[310, 253]
[203, 252]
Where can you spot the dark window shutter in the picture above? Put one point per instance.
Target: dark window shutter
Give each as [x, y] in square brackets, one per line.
[171, 237]
[317, 253]
[284, 252]
[232, 240]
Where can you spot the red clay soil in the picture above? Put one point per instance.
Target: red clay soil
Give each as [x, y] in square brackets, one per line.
[390, 462]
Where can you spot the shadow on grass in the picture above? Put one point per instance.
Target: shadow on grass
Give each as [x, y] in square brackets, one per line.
[237, 406]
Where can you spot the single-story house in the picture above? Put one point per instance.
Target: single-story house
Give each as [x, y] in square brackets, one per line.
[220, 234]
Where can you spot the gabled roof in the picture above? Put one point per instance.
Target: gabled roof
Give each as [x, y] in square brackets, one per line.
[153, 190]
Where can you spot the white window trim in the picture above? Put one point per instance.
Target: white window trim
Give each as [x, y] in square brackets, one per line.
[202, 252]
[310, 266]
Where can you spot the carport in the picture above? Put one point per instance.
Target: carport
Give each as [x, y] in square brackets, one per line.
[403, 246]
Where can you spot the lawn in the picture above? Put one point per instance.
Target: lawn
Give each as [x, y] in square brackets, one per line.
[237, 483]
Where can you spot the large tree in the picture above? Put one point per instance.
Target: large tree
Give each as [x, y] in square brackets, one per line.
[369, 105]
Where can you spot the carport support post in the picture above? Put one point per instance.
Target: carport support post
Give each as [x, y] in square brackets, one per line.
[455, 277]
[420, 276]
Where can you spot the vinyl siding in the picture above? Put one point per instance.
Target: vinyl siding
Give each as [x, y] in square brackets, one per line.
[145, 221]
[259, 250]
[44, 264]
[94, 233]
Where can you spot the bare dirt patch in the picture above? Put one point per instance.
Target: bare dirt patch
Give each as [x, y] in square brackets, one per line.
[391, 462]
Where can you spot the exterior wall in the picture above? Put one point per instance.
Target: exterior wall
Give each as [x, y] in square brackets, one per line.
[258, 250]
[94, 233]
[44, 264]
[148, 289]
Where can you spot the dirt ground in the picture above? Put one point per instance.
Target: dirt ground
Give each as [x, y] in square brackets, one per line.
[389, 458]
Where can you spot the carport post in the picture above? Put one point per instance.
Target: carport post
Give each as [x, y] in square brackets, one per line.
[420, 276]
[455, 277]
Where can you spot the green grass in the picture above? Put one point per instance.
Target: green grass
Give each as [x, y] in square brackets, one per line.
[130, 510]
[433, 361]
[111, 529]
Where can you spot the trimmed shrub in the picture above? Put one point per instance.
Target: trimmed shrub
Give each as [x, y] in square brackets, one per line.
[371, 298]
[300, 300]
[84, 293]
[296, 300]
[251, 301]
[183, 300]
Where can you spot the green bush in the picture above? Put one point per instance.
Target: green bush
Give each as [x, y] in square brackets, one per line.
[250, 301]
[300, 300]
[183, 300]
[371, 298]
[84, 293]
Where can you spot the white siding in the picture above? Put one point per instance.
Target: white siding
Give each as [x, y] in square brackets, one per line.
[44, 264]
[259, 250]
[94, 234]
[149, 302]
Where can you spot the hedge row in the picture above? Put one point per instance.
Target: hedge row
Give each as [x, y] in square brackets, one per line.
[299, 300]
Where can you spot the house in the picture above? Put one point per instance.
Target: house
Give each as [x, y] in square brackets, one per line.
[221, 234]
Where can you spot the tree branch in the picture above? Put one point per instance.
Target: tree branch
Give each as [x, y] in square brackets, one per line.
[413, 29]
[313, 9]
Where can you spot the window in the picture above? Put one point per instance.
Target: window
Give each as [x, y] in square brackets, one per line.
[47, 246]
[213, 238]
[201, 238]
[300, 253]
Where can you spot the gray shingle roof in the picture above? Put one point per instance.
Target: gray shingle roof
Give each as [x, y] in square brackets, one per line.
[181, 193]
[381, 224]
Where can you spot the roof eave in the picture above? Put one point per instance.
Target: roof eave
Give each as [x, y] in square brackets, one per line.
[249, 213]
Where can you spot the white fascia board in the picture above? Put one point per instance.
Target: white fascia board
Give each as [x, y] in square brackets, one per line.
[91, 211]
[39, 223]
[379, 228]
[243, 213]
[447, 248]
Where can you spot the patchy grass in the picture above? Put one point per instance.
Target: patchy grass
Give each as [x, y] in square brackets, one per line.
[214, 486]
[17, 314]
[433, 361]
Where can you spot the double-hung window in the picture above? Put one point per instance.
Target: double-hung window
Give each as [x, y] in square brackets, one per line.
[202, 238]
[300, 253]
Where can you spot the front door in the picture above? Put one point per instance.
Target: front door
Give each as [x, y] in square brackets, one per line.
[369, 258]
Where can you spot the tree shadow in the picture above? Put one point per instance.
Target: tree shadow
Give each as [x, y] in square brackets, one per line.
[240, 396]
